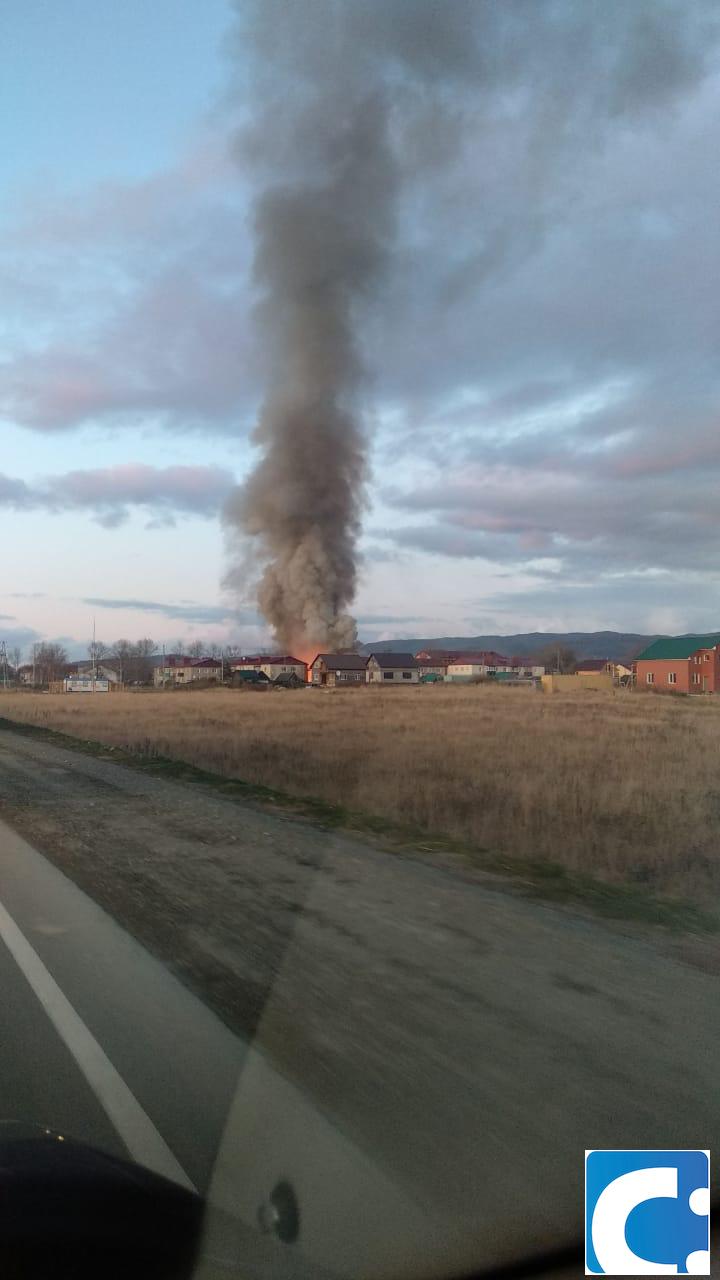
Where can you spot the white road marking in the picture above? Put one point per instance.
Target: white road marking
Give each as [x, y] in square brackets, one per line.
[132, 1123]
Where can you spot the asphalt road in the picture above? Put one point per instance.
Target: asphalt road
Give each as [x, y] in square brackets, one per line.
[423, 1055]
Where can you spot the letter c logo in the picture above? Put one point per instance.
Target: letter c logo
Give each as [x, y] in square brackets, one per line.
[613, 1208]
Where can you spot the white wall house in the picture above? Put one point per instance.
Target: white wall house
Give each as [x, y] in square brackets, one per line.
[272, 664]
[466, 670]
[392, 668]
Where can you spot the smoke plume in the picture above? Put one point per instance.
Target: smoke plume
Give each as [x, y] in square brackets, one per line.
[321, 238]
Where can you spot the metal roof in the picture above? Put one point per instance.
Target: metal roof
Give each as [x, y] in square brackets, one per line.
[677, 647]
[270, 659]
[342, 661]
[386, 660]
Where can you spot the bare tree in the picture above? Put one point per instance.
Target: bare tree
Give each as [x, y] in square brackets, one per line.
[196, 649]
[140, 665]
[122, 652]
[15, 656]
[97, 649]
[50, 662]
[557, 658]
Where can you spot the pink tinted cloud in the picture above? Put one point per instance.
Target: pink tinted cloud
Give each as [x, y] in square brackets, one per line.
[110, 493]
[150, 301]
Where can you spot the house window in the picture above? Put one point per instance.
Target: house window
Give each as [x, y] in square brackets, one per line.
[672, 678]
[407, 675]
[696, 678]
[707, 657]
[650, 678]
[388, 675]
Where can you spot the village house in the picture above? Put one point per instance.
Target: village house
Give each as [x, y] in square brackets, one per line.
[527, 667]
[392, 668]
[680, 664]
[173, 668]
[431, 662]
[102, 670]
[623, 672]
[591, 666]
[468, 666]
[207, 669]
[330, 669]
[273, 665]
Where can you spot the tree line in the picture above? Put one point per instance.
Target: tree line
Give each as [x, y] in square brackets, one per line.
[131, 659]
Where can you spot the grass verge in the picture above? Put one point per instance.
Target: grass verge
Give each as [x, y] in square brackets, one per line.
[534, 877]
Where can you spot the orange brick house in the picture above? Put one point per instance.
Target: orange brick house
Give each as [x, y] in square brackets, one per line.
[680, 664]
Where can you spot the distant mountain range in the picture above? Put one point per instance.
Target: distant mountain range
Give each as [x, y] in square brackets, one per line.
[585, 644]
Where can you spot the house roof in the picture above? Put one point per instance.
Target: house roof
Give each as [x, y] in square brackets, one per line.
[252, 676]
[677, 647]
[206, 662]
[342, 661]
[483, 658]
[387, 660]
[270, 659]
[592, 664]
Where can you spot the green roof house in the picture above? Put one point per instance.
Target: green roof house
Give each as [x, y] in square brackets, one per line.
[681, 664]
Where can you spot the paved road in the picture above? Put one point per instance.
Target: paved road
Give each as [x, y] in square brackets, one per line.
[429, 1055]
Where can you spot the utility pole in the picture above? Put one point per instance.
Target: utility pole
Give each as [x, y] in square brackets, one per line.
[3, 655]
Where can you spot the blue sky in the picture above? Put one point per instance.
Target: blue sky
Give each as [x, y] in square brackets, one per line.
[542, 400]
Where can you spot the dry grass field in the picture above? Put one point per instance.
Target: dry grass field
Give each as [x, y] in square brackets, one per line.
[625, 786]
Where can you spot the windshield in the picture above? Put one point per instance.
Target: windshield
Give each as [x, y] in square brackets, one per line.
[358, 658]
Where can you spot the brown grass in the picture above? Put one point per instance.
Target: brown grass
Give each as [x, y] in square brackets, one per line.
[624, 785]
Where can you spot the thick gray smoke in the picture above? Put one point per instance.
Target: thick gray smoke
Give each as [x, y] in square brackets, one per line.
[321, 240]
[465, 124]
[320, 245]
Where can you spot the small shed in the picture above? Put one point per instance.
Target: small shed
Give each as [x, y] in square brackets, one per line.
[288, 680]
[250, 680]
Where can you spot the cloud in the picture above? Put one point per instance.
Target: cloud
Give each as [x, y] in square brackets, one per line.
[186, 611]
[19, 638]
[147, 283]
[110, 493]
[529, 137]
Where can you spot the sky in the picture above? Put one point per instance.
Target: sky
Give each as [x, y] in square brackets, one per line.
[541, 354]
